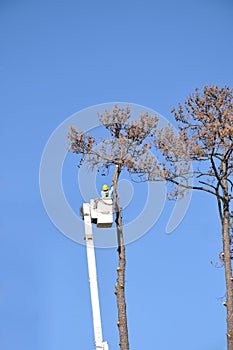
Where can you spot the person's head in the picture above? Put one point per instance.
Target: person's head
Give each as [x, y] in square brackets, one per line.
[105, 187]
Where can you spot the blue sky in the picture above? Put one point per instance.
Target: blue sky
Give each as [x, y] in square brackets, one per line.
[57, 58]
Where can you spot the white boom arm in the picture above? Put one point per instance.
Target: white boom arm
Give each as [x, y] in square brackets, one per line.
[99, 344]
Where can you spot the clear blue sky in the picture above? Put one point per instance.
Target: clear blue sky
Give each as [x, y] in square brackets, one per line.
[58, 57]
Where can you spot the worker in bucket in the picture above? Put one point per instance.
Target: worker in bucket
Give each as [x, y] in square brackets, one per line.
[106, 192]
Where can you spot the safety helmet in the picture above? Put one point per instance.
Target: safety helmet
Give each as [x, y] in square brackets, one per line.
[105, 187]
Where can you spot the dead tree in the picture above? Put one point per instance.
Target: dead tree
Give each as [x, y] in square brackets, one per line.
[128, 147]
[205, 124]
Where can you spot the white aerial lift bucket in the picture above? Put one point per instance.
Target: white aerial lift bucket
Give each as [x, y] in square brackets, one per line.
[101, 212]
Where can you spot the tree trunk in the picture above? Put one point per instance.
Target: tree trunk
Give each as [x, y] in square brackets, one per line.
[228, 274]
[226, 238]
[120, 284]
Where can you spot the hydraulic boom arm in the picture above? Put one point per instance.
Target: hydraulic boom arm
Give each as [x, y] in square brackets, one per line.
[99, 344]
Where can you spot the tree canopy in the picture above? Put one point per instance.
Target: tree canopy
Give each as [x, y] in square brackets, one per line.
[128, 145]
[205, 124]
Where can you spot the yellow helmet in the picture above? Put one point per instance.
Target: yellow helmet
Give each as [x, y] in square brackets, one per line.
[105, 187]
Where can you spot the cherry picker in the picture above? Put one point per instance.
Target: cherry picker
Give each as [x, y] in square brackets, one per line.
[98, 212]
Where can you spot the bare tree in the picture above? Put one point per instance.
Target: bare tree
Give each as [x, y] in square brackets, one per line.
[128, 147]
[205, 124]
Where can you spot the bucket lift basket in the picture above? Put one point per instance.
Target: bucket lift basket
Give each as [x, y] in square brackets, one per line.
[101, 212]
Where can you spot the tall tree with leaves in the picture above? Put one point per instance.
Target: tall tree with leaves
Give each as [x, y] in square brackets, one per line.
[205, 124]
[128, 147]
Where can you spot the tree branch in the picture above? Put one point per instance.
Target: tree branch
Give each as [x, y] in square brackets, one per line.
[194, 188]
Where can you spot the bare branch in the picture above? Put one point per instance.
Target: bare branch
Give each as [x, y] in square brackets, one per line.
[195, 188]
